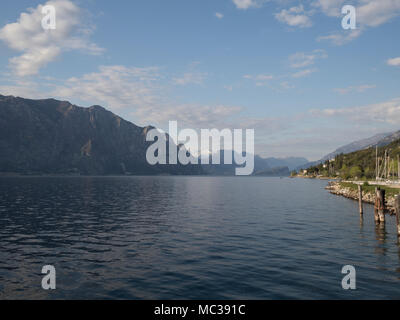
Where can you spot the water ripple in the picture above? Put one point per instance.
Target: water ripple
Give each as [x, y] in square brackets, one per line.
[189, 238]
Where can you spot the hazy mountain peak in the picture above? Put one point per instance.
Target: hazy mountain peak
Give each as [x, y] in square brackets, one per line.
[380, 140]
[375, 140]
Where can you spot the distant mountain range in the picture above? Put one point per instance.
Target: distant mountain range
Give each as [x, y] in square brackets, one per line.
[376, 140]
[56, 137]
[379, 140]
[262, 166]
[290, 162]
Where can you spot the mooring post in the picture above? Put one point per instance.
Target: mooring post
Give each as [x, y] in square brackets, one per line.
[360, 204]
[382, 206]
[397, 206]
[376, 206]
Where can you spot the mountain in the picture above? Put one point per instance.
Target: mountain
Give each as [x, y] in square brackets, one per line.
[290, 162]
[56, 137]
[388, 139]
[379, 140]
[228, 169]
[362, 163]
[262, 166]
[274, 172]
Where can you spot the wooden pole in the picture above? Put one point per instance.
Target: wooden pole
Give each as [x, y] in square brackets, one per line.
[376, 216]
[379, 209]
[397, 206]
[360, 204]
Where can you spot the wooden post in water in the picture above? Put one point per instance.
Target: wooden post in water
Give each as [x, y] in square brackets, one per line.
[380, 195]
[376, 216]
[380, 206]
[360, 204]
[397, 207]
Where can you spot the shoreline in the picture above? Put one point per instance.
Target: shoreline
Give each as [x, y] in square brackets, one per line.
[334, 187]
[314, 177]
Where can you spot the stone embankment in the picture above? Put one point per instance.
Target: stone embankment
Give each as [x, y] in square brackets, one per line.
[335, 187]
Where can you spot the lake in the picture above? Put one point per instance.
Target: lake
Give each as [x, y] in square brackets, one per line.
[190, 238]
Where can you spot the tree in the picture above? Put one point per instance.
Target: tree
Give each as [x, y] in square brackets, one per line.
[355, 172]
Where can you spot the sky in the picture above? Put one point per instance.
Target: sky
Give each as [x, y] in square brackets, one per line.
[285, 68]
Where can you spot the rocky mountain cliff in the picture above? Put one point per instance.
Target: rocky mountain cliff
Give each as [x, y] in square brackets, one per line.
[56, 137]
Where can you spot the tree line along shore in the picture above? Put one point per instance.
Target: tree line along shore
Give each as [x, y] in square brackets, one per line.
[367, 164]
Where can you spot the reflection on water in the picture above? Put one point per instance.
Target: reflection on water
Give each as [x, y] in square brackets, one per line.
[398, 252]
[380, 236]
[190, 237]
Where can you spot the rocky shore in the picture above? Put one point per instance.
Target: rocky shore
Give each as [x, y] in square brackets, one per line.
[336, 188]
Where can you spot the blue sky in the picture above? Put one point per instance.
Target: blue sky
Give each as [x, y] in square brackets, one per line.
[285, 68]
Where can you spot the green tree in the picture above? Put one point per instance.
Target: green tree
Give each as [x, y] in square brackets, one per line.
[355, 172]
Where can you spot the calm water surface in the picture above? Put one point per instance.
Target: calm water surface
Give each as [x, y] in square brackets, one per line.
[190, 238]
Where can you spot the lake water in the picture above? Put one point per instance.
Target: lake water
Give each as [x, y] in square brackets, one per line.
[190, 238]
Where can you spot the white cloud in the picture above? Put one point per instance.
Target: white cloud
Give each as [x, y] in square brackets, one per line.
[303, 73]
[246, 4]
[114, 87]
[260, 80]
[301, 59]
[376, 12]
[294, 17]
[29, 63]
[343, 37]
[219, 15]
[243, 4]
[189, 115]
[394, 62]
[360, 88]
[134, 93]
[39, 46]
[22, 88]
[190, 78]
[286, 85]
[369, 13]
[330, 7]
[386, 112]
[259, 77]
